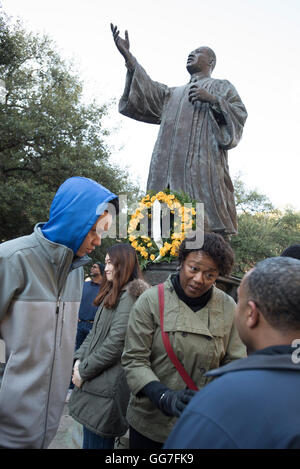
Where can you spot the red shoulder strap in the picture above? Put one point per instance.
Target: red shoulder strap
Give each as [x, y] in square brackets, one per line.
[165, 337]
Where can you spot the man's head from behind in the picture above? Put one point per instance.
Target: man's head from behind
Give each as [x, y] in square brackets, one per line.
[268, 309]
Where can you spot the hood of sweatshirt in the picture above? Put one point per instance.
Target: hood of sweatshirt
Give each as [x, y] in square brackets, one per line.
[76, 206]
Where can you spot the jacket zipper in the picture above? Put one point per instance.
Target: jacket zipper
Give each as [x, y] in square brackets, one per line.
[51, 370]
[62, 323]
[54, 352]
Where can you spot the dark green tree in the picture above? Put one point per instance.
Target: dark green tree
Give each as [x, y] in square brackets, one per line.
[7, 46]
[47, 133]
[250, 200]
[263, 231]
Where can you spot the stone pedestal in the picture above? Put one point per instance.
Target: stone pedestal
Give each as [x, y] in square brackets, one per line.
[157, 273]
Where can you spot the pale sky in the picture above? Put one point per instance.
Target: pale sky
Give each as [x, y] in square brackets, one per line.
[257, 43]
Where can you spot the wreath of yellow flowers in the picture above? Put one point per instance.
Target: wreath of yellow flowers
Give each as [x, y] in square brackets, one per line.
[147, 249]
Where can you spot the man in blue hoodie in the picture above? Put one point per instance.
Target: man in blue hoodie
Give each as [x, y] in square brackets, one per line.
[41, 280]
[254, 402]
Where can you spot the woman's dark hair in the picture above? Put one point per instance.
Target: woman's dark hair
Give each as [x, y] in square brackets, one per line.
[126, 268]
[214, 246]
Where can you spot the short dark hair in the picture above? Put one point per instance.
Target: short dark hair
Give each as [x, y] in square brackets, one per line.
[215, 246]
[292, 251]
[274, 286]
[101, 267]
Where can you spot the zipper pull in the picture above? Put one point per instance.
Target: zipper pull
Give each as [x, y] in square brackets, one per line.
[57, 305]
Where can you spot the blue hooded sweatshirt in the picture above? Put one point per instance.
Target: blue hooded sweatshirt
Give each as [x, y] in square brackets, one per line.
[76, 207]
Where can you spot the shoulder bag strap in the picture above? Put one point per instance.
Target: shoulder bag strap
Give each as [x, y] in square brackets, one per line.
[165, 337]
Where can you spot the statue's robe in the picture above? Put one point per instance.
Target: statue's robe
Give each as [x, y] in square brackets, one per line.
[190, 153]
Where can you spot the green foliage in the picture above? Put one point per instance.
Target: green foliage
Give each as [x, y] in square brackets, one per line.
[262, 230]
[46, 133]
[7, 46]
[249, 200]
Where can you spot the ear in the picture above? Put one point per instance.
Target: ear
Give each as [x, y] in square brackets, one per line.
[252, 318]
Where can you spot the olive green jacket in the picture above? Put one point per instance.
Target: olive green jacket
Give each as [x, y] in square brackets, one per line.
[202, 340]
[100, 403]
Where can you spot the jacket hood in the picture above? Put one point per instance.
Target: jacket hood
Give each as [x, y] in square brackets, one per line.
[137, 287]
[76, 206]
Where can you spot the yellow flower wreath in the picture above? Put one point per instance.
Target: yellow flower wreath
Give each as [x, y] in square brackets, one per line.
[146, 248]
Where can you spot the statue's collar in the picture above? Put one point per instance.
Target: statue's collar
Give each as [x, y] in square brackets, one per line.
[195, 78]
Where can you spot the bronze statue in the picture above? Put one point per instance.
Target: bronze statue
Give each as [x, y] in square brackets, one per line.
[199, 123]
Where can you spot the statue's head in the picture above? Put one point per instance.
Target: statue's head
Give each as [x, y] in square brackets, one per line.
[202, 59]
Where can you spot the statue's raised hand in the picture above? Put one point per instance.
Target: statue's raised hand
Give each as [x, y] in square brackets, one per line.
[122, 44]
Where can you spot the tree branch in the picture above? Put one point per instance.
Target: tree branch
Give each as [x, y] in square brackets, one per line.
[5, 171]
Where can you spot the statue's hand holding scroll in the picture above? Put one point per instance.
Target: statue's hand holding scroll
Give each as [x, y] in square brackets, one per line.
[197, 93]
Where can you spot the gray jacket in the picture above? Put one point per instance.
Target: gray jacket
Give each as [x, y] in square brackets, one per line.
[39, 301]
[100, 404]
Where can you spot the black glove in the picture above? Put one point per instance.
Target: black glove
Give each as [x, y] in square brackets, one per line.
[170, 402]
[174, 402]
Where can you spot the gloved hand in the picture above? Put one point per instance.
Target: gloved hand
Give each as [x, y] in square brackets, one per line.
[174, 402]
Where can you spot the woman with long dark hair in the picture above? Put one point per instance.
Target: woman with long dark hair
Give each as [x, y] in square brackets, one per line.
[100, 397]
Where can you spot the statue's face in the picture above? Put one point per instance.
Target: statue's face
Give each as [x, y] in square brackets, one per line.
[198, 60]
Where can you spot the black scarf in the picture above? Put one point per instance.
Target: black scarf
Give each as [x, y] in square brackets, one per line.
[194, 303]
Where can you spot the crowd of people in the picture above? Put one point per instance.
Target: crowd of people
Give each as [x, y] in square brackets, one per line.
[178, 364]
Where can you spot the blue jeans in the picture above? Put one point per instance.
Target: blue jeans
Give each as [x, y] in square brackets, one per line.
[83, 329]
[93, 441]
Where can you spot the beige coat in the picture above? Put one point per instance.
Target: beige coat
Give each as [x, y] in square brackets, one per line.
[202, 340]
